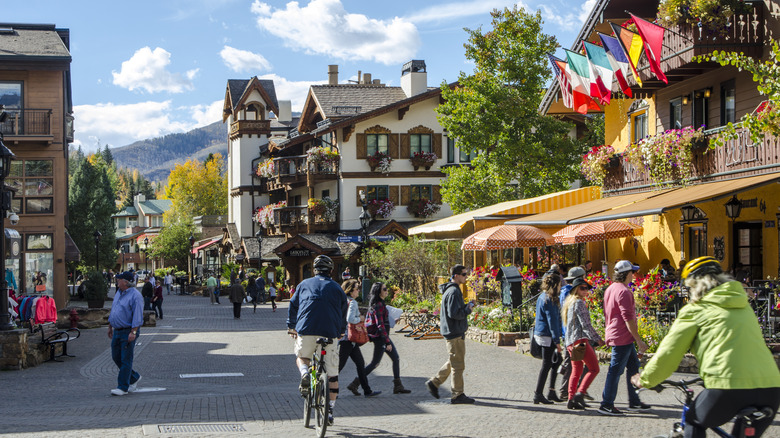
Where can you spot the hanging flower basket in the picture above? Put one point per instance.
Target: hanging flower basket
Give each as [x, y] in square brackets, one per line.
[321, 154]
[381, 208]
[595, 162]
[423, 159]
[265, 215]
[324, 208]
[381, 161]
[423, 208]
[265, 169]
[667, 157]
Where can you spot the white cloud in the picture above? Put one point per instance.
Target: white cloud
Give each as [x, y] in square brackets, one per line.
[570, 19]
[449, 11]
[324, 27]
[294, 91]
[147, 70]
[243, 60]
[206, 114]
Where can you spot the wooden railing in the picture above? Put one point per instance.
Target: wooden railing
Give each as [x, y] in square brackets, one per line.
[27, 122]
[247, 127]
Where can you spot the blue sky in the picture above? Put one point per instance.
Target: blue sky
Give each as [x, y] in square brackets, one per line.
[144, 69]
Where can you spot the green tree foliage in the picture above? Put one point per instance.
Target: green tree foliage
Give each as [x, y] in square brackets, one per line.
[494, 111]
[131, 182]
[173, 242]
[594, 131]
[197, 189]
[90, 207]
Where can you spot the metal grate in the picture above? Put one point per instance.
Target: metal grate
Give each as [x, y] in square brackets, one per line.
[200, 428]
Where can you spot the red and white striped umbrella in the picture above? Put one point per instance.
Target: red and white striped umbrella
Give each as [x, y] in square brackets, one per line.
[507, 236]
[594, 231]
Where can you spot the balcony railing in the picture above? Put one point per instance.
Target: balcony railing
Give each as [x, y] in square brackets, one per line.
[247, 127]
[297, 171]
[291, 219]
[27, 122]
[739, 156]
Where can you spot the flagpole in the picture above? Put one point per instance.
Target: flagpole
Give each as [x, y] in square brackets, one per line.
[668, 30]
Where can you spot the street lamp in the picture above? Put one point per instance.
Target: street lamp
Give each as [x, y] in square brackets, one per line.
[192, 257]
[259, 237]
[146, 256]
[5, 167]
[733, 209]
[97, 236]
[365, 221]
[123, 249]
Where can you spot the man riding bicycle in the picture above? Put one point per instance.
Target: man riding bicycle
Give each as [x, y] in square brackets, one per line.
[719, 327]
[318, 309]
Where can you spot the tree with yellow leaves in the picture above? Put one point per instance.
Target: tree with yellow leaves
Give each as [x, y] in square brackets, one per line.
[197, 189]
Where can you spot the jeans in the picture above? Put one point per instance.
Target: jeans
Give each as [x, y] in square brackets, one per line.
[157, 307]
[122, 353]
[379, 349]
[349, 350]
[456, 364]
[147, 303]
[548, 367]
[624, 358]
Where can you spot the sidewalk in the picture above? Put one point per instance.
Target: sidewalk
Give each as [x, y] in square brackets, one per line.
[72, 398]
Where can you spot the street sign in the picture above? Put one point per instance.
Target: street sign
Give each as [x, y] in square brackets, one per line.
[347, 239]
[383, 238]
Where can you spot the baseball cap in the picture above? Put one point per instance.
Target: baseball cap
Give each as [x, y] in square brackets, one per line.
[625, 266]
[125, 276]
[580, 282]
[575, 272]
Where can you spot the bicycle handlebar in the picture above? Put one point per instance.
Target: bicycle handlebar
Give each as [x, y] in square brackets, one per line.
[682, 384]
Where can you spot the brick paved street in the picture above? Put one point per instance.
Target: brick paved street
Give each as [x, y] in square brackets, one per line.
[72, 398]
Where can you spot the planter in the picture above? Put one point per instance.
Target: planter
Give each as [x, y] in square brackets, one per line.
[614, 161]
[96, 304]
[698, 144]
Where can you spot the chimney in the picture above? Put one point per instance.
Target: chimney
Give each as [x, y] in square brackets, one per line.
[333, 74]
[367, 78]
[377, 82]
[285, 111]
[414, 78]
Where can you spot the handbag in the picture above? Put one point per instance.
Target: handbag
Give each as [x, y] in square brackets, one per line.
[578, 352]
[357, 333]
[536, 349]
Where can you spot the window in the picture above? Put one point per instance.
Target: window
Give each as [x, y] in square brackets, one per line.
[295, 200]
[450, 150]
[639, 126]
[132, 222]
[39, 260]
[728, 99]
[33, 180]
[466, 158]
[121, 223]
[376, 143]
[701, 109]
[376, 192]
[462, 156]
[325, 194]
[420, 143]
[39, 241]
[698, 238]
[11, 98]
[421, 192]
[675, 113]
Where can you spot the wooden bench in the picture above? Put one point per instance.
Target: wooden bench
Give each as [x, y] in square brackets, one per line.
[51, 336]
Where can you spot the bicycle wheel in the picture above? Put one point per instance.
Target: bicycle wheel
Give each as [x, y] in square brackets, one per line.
[321, 405]
[307, 410]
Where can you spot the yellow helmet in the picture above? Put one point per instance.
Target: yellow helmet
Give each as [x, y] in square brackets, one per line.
[700, 266]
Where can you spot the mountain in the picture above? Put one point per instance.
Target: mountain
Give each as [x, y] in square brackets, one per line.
[154, 158]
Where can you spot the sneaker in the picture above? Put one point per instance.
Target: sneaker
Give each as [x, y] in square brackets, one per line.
[305, 385]
[639, 407]
[117, 391]
[462, 400]
[432, 388]
[611, 410]
[587, 396]
[134, 386]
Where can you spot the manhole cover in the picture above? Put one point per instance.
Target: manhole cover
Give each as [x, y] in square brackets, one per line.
[200, 428]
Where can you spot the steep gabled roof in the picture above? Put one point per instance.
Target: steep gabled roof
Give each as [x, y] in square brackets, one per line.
[239, 89]
[155, 206]
[32, 42]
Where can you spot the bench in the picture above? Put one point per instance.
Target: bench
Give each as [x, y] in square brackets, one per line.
[51, 336]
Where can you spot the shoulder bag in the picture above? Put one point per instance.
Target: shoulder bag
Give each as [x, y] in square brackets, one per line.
[536, 349]
[578, 352]
[357, 333]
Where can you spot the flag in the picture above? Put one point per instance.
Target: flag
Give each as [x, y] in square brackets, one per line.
[653, 37]
[579, 75]
[632, 47]
[600, 69]
[559, 68]
[618, 62]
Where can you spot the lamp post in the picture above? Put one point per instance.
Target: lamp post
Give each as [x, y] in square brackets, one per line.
[733, 209]
[5, 204]
[259, 237]
[123, 249]
[365, 221]
[97, 237]
[146, 256]
[192, 257]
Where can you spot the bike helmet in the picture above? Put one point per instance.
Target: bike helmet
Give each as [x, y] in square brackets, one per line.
[323, 263]
[701, 266]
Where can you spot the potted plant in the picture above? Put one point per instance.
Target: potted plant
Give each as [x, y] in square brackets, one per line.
[324, 208]
[380, 160]
[265, 169]
[423, 159]
[381, 208]
[667, 157]
[423, 208]
[321, 156]
[265, 215]
[594, 163]
[95, 289]
[714, 16]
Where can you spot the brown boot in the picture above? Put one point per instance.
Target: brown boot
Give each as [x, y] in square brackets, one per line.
[398, 387]
[354, 386]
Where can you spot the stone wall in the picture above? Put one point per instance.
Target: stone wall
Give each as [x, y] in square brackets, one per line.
[13, 349]
[499, 339]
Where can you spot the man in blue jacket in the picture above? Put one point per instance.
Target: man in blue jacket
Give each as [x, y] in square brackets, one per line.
[453, 324]
[318, 310]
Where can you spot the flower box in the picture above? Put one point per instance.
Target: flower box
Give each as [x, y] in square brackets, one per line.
[423, 208]
[381, 161]
[381, 208]
[423, 159]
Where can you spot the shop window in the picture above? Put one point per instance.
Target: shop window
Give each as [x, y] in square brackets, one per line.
[376, 193]
[697, 236]
[11, 97]
[420, 143]
[728, 101]
[376, 143]
[37, 242]
[675, 113]
[33, 181]
[421, 192]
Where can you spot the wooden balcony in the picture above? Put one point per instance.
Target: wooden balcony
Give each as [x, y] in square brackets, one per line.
[739, 157]
[297, 220]
[293, 172]
[249, 127]
[27, 125]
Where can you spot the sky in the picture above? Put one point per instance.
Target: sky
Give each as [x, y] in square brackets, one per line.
[144, 69]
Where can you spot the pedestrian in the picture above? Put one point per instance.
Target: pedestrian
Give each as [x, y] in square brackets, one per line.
[547, 333]
[261, 286]
[237, 295]
[251, 290]
[212, 284]
[565, 368]
[378, 328]
[124, 321]
[346, 275]
[351, 350]
[621, 332]
[453, 325]
[157, 300]
[579, 334]
[147, 292]
[168, 282]
[272, 296]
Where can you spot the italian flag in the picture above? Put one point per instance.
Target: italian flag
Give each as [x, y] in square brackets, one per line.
[578, 70]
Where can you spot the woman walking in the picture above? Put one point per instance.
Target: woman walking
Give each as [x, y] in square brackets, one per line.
[157, 300]
[547, 334]
[579, 334]
[378, 327]
[351, 350]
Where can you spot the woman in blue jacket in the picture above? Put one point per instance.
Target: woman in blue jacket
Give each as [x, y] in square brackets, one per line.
[547, 334]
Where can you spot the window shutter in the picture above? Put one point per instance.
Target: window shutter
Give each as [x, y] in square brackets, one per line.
[436, 194]
[392, 147]
[406, 194]
[357, 194]
[406, 150]
[361, 149]
[394, 194]
[437, 145]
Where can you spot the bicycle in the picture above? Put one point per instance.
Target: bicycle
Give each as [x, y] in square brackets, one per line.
[744, 419]
[317, 396]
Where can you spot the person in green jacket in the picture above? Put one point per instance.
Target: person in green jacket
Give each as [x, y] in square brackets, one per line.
[719, 327]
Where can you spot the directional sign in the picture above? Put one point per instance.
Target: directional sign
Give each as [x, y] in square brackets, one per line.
[347, 239]
[383, 238]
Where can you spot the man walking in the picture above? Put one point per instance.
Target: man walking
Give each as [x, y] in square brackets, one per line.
[453, 328]
[621, 332]
[147, 292]
[168, 282]
[237, 295]
[212, 284]
[260, 282]
[125, 319]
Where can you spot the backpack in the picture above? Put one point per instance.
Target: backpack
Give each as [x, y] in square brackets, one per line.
[371, 323]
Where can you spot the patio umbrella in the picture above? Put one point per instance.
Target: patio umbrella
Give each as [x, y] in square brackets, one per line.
[507, 236]
[595, 231]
